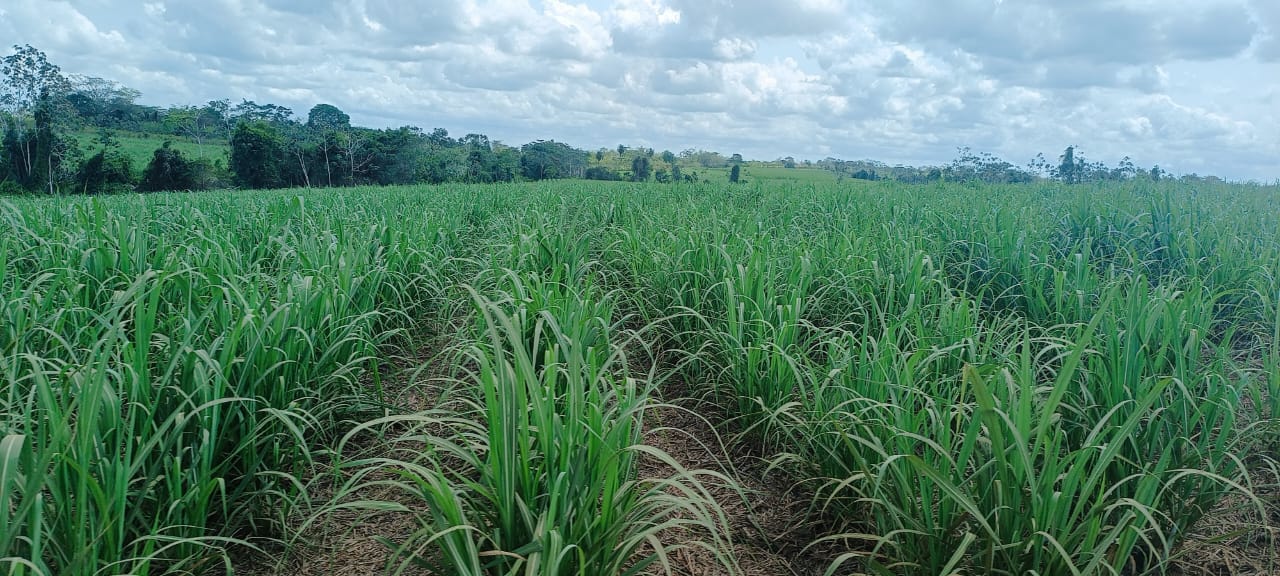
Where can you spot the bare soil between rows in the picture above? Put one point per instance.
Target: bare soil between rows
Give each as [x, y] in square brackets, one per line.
[767, 512]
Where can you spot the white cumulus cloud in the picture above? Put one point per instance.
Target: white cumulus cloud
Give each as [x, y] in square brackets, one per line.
[1188, 84]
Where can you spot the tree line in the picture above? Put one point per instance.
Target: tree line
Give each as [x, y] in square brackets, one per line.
[1071, 167]
[41, 110]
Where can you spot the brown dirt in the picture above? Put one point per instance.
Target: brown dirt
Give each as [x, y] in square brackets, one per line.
[1234, 540]
[766, 511]
[1236, 537]
[765, 520]
[350, 541]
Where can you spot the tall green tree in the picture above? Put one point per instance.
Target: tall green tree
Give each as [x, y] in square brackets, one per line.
[103, 103]
[39, 152]
[110, 170]
[640, 169]
[441, 159]
[57, 152]
[169, 169]
[489, 161]
[301, 147]
[250, 111]
[393, 156]
[327, 117]
[546, 159]
[256, 155]
[1069, 167]
[506, 162]
[325, 122]
[220, 111]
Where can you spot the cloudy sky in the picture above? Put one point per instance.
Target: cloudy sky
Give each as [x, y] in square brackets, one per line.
[1193, 85]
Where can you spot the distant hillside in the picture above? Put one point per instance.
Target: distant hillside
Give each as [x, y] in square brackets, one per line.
[140, 146]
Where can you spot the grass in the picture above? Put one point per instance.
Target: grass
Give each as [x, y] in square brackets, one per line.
[751, 171]
[798, 175]
[537, 474]
[1001, 379]
[140, 147]
[171, 370]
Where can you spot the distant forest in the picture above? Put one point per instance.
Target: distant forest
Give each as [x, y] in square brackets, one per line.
[81, 134]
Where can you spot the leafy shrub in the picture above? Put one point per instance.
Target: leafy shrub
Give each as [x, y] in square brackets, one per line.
[601, 173]
[11, 188]
[169, 169]
[107, 171]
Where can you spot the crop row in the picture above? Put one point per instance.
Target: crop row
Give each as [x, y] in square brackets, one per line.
[981, 380]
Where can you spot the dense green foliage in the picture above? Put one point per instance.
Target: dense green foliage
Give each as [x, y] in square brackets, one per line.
[547, 160]
[640, 169]
[170, 169]
[46, 117]
[36, 153]
[141, 146]
[257, 153]
[1057, 381]
[601, 173]
[162, 392]
[1050, 383]
[166, 399]
[107, 171]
